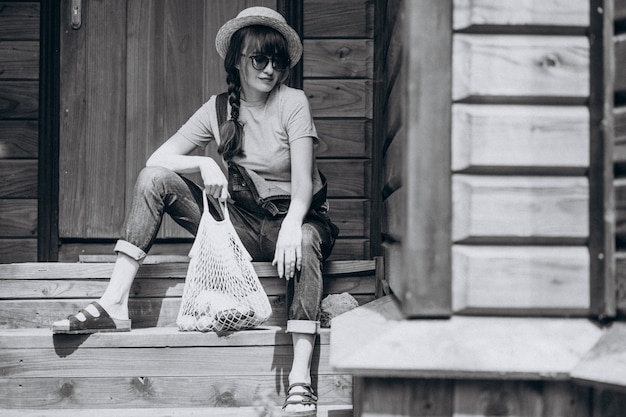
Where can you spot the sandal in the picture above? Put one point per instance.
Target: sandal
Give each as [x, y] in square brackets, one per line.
[91, 324]
[307, 397]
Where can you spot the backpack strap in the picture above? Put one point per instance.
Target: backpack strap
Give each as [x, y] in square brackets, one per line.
[221, 107]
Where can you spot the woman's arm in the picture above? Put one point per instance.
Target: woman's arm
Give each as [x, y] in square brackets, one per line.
[174, 155]
[288, 254]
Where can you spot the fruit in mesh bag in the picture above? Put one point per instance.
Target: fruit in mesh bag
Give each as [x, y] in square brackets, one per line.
[208, 302]
[232, 319]
[186, 323]
[205, 323]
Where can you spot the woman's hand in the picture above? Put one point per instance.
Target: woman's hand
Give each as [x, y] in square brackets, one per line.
[288, 254]
[215, 182]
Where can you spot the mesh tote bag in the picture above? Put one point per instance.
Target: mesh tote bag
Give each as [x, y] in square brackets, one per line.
[222, 290]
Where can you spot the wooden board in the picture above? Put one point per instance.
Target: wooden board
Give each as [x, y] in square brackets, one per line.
[20, 60]
[348, 19]
[469, 13]
[519, 280]
[18, 218]
[323, 411]
[338, 58]
[92, 162]
[520, 398]
[19, 20]
[457, 348]
[19, 99]
[520, 66]
[341, 98]
[18, 178]
[344, 138]
[18, 250]
[519, 207]
[425, 287]
[620, 282]
[513, 137]
[163, 391]
[19, 139]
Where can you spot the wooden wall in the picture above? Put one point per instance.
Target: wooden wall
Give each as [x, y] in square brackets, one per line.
[521, 157]
[338, 72]
[156, 43]
[19, 112]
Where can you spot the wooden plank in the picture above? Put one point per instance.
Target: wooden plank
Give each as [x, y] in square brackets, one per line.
[20, 60]
[345, 249]
[154, 288]
[520, 398]
[128, 392]
[521, 66]
[19, 20]
[19, 99]
[601, 170]
[18, 218]
[604, 365]
[61, 270]
[405, 397]
[93, 138]
[345, 19]
[394, 162]
[144, 312]
[607, 403]
[394, 216]
[619, 43]
[619, 147]
[468, 13]
[323, 411]
[351, 216]
[520, 279]
[339, 98]
[520, 136]
[474, 347]
[338, 58]
[425, 290]
[19, 139]
[520, 207]
[18, 178]
[346, 178]
[18, 250]
[344, 138]
[149, 362]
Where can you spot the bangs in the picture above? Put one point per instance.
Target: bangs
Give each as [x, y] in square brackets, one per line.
[266, 41]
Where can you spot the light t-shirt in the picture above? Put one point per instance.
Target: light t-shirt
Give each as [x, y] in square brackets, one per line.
[269, 129]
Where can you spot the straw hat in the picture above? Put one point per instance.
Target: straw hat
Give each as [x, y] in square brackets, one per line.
[260, 16]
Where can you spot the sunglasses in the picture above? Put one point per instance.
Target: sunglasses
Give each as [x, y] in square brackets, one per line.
[259, 62]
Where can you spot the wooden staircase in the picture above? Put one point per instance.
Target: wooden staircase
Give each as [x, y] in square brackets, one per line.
[155, 369]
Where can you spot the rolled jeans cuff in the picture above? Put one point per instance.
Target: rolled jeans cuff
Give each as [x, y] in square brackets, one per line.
[303, 326]
[129, 249]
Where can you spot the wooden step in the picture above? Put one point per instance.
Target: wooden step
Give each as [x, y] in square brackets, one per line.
[36, 294]
[157, 367]
[323, 411]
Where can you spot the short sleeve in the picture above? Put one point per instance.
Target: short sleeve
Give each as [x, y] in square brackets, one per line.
[299, 122]
[200, 127]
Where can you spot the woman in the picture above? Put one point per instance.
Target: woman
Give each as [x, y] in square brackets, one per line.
[276, 195]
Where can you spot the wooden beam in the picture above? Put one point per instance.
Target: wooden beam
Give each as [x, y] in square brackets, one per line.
[425, 290]
[601, 193]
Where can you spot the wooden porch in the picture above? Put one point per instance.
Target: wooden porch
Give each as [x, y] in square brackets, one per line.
[477, 151]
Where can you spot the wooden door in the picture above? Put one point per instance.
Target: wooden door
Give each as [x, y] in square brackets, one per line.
[131, 75]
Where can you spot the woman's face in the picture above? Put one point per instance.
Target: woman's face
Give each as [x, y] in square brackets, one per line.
[259, 73]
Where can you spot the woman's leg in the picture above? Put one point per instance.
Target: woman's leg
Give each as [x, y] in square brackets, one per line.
[157, 191]
[304, 299]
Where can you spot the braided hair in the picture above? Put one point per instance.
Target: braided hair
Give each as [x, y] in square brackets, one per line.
[264, 40]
